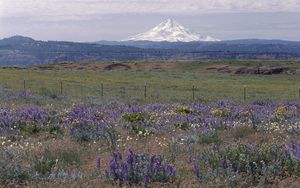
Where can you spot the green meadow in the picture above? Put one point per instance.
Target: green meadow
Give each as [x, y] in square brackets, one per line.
[165, 85]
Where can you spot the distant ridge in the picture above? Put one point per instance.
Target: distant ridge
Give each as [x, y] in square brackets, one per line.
[170, 31]
[23, 51]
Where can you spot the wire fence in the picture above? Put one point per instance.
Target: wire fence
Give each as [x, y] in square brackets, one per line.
[149, 92]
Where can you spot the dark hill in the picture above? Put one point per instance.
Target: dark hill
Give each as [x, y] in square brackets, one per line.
[24, 51]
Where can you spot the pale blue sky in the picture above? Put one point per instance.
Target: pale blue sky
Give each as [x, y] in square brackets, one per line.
[93, 20]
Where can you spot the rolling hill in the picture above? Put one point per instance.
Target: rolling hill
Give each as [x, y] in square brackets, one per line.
[23, 51]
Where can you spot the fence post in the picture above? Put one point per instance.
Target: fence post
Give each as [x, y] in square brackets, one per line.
[145, 91]
[245, 93]
[61, 87]
[102, 90]
[24, 85]
[193, 93]
[299, 92]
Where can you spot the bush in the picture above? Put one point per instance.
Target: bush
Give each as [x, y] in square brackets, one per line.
[183, 110]
[242, 131]
[48, 93]
[209, 137]
[226, 112]
[56, 131]
[134, 117]
[11, 168]
[137, 122]
[257, 163]
[182, 126]
[28, 129]
[33, 119]
[223, 175]
[61, 175]
[50, 159]
[111, 138]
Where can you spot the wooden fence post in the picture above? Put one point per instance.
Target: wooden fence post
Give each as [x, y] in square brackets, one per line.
[145, 91]
[299, 92]
[102, 90]
[245, 93]
[24, 85]
[61, 87]
[193, 93]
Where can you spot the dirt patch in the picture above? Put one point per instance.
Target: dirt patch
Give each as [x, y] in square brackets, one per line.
[70, 66]
[117, 66]
[160, 66]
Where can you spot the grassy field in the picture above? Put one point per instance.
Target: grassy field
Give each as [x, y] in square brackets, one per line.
[62, 133]
[165, 81]
[162, 145]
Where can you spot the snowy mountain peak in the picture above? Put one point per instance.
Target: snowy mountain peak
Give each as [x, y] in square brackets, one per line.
[171, 31]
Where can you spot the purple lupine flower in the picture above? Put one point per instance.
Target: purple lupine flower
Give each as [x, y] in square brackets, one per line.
[238, 167]
[222, 164]
[117, 155]
[215, 147]
[196, 168]
[106, 174]
[295, 149]
[172, 171]
[146, 179]
[287, 154]
[139, 168]
[125, 171]
[24, 94]
[129, 158]
[228, 164]
[98, 163]
[75, 173]
[53, 173]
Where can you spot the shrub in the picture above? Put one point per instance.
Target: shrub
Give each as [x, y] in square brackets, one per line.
[225, 174]
[257, 163]
[11, 168]
[174, 150]
[242, 131]
[56, 130]
[111, 138]
[134, 117]
[48, 93]
[28, 129]
[44, 165]
[183, 110]
[209, 137]
[46, 162]
[226, 112]
[61, 175]
[49, 159]
[32, 119]
[182, 126]
[137, 122]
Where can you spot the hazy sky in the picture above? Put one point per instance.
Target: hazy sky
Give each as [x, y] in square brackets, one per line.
[93, 20]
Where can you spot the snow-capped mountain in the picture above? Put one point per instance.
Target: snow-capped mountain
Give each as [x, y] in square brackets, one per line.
[170, 31]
